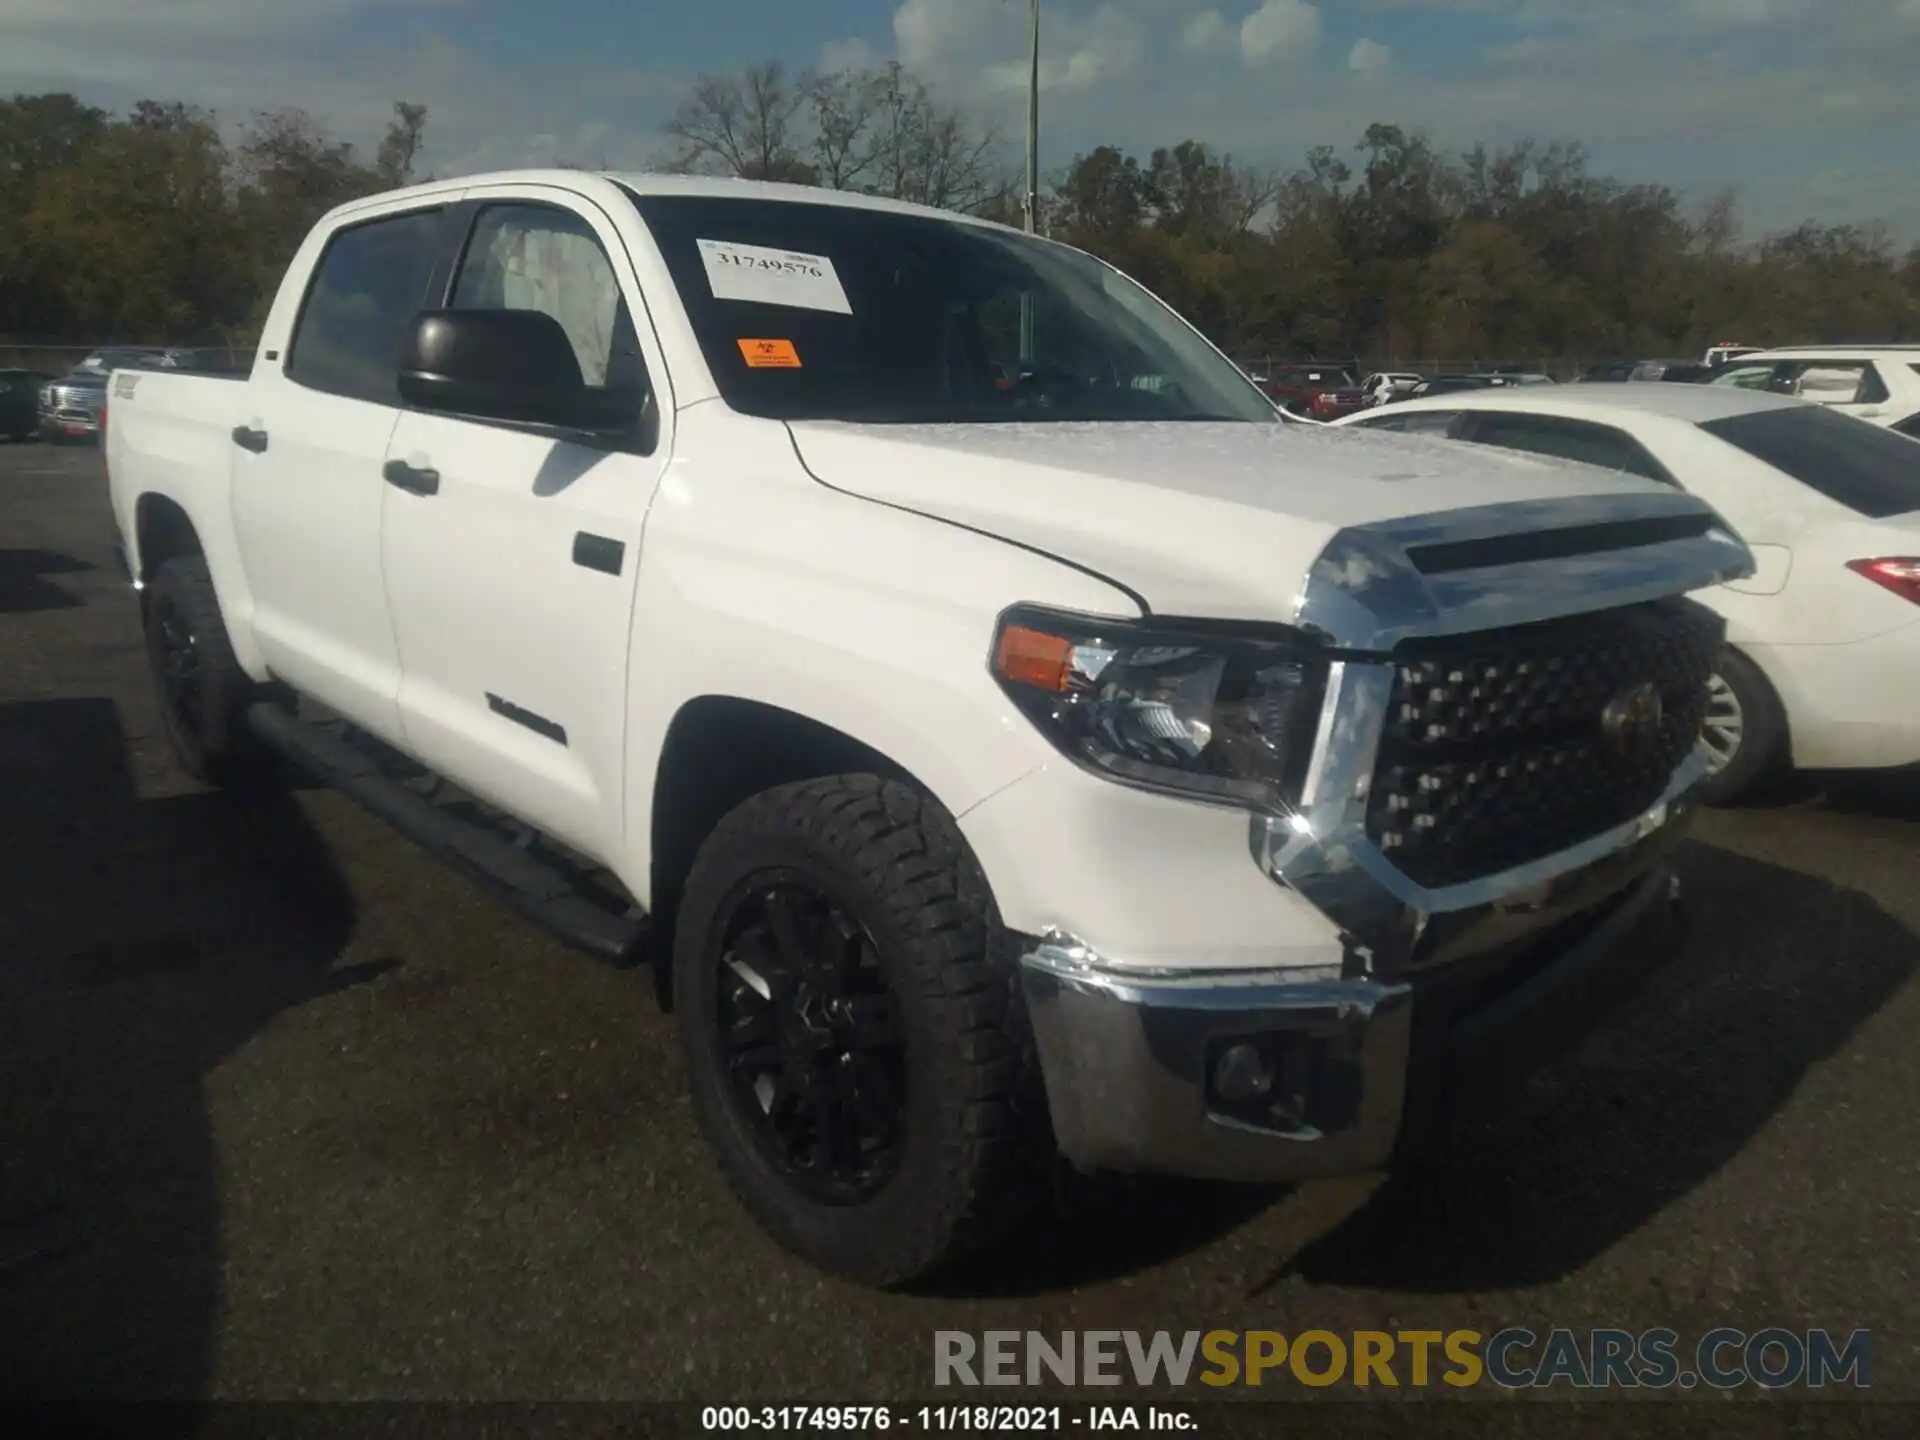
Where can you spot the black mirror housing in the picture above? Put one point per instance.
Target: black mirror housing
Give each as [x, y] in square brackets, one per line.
[511, 365]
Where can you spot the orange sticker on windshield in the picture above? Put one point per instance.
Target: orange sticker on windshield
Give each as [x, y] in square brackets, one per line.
[770, 354]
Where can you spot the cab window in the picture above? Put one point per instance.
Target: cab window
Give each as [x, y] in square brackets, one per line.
[370, 283]
[540, 257]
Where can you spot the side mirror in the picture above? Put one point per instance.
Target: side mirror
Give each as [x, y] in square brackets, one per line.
[512, 365]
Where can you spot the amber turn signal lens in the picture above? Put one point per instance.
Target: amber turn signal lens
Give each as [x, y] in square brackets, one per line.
[1033, 657]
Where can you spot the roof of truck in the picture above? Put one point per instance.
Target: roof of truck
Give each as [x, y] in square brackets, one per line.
[648, 183]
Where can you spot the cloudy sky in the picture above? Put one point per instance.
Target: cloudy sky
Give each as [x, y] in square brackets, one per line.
[1809, 108]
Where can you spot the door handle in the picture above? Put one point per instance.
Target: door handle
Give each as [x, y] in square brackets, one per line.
[411, 478]
[248, 438]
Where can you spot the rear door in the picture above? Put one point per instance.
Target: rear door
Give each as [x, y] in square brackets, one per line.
[307, 493]
[512, 583]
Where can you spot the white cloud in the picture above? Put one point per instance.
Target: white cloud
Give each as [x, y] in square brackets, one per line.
[1209, 31]
[1369, 57]
[1107, 48]
[1279, 30]
[928, 33]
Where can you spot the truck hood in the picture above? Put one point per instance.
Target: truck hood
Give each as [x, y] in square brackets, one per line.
[1227, 520]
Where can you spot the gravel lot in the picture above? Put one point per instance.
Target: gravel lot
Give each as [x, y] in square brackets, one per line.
[288, 1110]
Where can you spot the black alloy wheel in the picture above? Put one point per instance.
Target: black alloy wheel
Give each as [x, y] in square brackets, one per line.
[811, 1039]
[856, 1040]
[177, 665]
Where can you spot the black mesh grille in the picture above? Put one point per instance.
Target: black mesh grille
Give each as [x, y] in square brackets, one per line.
[1496, 749]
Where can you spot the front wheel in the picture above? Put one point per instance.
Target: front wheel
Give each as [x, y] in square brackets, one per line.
[855, 1039]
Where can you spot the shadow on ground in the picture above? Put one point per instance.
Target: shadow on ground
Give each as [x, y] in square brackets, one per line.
[1783, 968]
[1888, 795]
[24, 586]
[140, 943]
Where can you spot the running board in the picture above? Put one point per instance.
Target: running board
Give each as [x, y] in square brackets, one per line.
[541, 892]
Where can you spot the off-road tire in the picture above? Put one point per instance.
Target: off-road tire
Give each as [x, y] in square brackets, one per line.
[1761, 760]
[206, 729]
[976, 1155]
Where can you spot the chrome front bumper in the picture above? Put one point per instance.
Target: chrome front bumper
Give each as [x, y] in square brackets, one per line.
[1139, 1072]
[1335, 1068]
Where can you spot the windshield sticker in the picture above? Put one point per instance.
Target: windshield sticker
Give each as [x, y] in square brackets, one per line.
[770, 354]
[773, 277]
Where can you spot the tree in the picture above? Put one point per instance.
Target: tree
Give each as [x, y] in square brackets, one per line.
[879, 131]
[153, 225]
[393, 162]
[741, 124]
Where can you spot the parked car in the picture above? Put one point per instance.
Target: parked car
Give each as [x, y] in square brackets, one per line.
[70, 407]
[1880, 383]
[1520, 377]
[1615, 372]
[1725, 352]
[1451, 384]
[1823, 660]
[689, 530]
[1320, 392]
[1383, 387]
[121, 357]
[20, 403]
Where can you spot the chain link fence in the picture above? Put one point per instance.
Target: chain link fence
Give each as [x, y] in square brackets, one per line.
[59, 360]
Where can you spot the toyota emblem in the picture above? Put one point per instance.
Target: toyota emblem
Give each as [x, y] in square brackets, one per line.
[1630, 725]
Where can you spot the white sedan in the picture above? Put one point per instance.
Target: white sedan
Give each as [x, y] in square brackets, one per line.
[1823, 663]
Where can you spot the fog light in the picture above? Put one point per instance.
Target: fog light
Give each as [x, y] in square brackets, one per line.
[1241, 1073]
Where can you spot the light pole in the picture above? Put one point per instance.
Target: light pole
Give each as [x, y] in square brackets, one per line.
[1031, 201]
[1033, 124]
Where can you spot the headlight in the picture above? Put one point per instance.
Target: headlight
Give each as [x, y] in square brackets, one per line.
[1220, 716]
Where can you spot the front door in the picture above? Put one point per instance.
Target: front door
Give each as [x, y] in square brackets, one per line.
[307, 493]
[512, 582]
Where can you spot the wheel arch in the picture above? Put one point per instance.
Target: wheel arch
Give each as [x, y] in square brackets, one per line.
[719, 751]
[162, 531]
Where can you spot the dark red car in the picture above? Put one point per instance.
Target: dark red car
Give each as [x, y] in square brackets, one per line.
[1319, 391]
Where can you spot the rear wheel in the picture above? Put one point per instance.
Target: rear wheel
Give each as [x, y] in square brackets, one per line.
[202, 689]
[855, 1040]
[1745, 731]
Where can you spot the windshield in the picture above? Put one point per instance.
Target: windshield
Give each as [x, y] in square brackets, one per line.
[827, 312]
[1871, 471]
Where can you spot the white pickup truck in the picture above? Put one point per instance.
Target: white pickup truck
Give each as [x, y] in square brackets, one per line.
[1009, 739]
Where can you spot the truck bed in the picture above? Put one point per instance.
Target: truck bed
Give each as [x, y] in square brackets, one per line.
[170, 433]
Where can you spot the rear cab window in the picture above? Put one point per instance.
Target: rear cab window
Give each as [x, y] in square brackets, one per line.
[370, 282]
[1868, 469]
